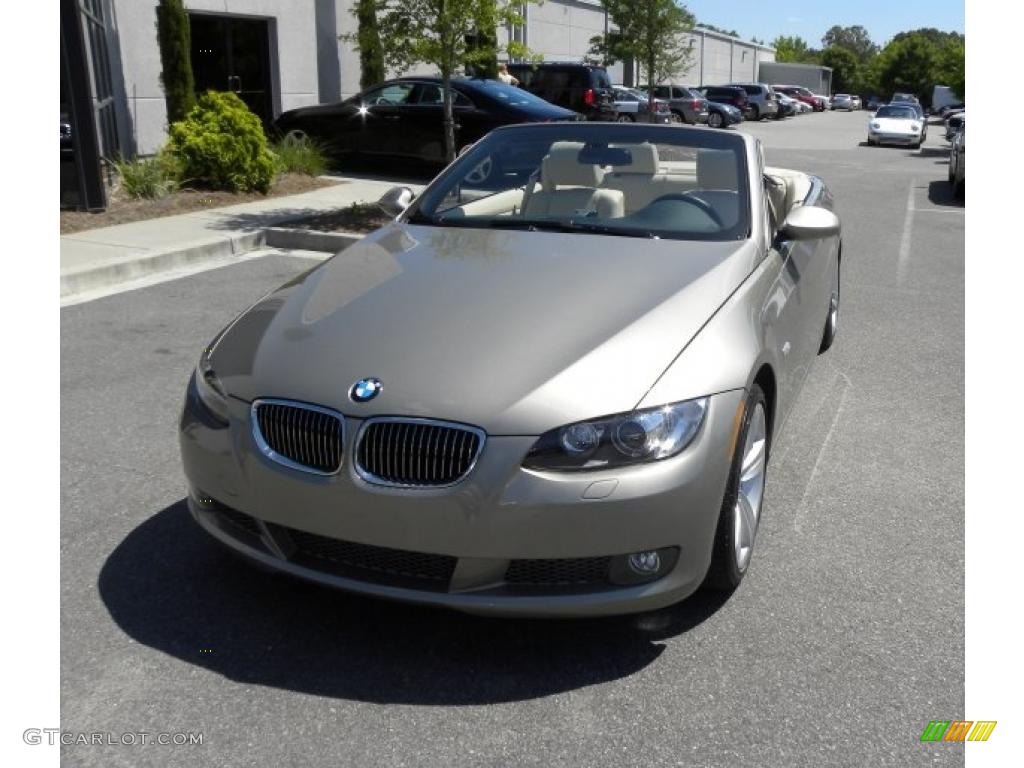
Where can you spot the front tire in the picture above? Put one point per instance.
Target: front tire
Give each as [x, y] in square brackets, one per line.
[828, 336]
[741, 508]
[624, 119]
[677, 117]
[755, 112]
[715, 120]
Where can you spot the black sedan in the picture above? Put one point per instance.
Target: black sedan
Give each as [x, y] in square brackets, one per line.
[404, 118]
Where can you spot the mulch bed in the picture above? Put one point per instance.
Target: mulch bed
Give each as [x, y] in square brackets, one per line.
[359, 218]
[121, 211]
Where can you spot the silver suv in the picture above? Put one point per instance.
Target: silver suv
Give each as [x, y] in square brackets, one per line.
[762, 98]
[686, 105]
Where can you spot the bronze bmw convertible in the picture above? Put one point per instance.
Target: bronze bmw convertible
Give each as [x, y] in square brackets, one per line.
[549, 387]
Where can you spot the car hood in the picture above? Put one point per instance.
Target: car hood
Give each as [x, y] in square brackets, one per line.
[515, 332]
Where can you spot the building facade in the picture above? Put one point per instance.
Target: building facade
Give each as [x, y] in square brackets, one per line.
[281, 54]
[816, 79]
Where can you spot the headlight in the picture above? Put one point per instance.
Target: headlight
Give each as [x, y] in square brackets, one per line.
[915, 128]
[210, 392]
[619, 440]
[875, 126]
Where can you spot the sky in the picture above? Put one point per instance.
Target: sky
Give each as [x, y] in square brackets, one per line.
[810, 19]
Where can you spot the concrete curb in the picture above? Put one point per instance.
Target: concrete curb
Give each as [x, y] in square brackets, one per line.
[147, 263]
[309, 240]
[150, 262]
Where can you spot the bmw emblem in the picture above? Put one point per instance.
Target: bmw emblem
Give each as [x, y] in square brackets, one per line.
[365, 390]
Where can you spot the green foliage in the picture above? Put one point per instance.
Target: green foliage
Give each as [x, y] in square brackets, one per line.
[295, 154]
[720, 30]
[908, 64]
[367, 42]
[175, 40]
[650, 31]
[855, 39]
[794, 50]
[846, 69]
[221, 145]
[950, 67]
[148, 178]
[447, 34]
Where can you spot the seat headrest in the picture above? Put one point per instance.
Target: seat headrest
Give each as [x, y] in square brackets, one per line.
[644, 159]
[561, 167]
[716, 169]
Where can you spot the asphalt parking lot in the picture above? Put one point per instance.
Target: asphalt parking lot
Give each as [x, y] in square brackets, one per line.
[844, 640]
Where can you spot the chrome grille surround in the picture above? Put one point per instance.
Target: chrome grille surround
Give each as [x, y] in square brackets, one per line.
[289, 444]
[442, 453]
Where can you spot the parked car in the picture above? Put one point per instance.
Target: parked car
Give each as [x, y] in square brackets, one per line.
[857, 104]
[922, 118]
[763, 102]
[787, 106]
[842, 101]
[633, 106]
[954, 123]
[903, 98]
[354, 428]
[873, 102]
[817, 103]
[802, 106]
[723, 115]
[895, 124]
[687, 105]
[956, 162]
[950, 109]
[736, 97]
[404, 118]
[583, 88]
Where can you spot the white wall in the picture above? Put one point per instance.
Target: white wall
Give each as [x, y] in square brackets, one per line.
[294, 76]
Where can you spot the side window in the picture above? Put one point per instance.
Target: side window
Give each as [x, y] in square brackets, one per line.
[678, 93]
[389, 95]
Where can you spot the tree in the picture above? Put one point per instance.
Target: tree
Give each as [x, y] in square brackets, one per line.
[908, 64]
[933, 35]
[713, 28]
[854, 38]
[651, 32]
[846, 76]
[794, 50]
[367, 40]
[175, 40]
[447, 34]
[950, 66]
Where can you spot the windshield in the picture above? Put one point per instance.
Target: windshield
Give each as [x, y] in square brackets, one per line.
[596, 178]
[897, 112]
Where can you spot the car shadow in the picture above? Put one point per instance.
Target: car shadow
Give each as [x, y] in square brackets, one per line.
[171, 587]
[940, 192]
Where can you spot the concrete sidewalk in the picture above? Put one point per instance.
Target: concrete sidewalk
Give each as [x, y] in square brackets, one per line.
[100, 258]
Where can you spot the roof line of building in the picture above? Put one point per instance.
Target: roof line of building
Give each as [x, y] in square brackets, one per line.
[731, 38]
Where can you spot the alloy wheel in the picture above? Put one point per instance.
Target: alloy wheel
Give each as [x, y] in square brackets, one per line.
[747, 509]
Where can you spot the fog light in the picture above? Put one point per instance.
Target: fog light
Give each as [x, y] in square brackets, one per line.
[642, 567]
[645, 563]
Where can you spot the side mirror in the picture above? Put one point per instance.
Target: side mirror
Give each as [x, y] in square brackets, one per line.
[809, 223]
[395, 201]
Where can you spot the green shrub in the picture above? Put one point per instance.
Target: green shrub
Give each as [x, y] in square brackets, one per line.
[148, 178]
[299, 154]
[221, 145]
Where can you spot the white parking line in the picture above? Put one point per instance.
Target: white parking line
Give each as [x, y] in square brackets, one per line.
[906, 240]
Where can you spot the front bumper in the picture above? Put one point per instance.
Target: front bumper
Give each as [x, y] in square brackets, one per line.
[896, 138]
[500, 520]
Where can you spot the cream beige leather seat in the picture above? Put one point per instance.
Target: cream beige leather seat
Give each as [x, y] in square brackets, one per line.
[718, 183]
[570, 188]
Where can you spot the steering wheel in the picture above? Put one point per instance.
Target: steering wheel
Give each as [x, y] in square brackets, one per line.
[688, 197]
[381, 101]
